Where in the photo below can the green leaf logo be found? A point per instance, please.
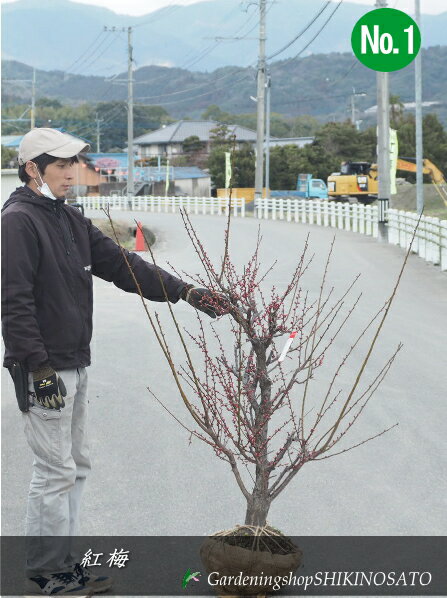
(188, 576)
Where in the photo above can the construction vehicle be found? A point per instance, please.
(306, 187)
(355, 179)
(360, 179)
(436, 176)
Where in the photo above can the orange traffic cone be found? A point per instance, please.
(139, 238)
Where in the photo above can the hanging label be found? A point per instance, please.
(287, 346)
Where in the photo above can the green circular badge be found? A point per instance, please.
(386, 39)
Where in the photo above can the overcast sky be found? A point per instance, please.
(142, 7)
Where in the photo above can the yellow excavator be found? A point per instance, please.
(359, 179)
(436, 176)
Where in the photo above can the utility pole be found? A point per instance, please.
(130, 160)
(267, 139)
(353, 109)
(383, 143)
(418, 117)
(130, 157)
(353, 106)
(33, 100)
(261, 103)
(98, 122)
(33, 97)
(354, 95)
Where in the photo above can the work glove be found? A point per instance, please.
(211, 303)
(49, 388)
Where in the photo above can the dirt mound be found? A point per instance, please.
(405, 199)
(124, 231)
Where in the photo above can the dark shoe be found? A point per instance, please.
(55, 584)
(94, 583)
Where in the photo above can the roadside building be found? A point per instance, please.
(10, 182)
(11, 141)
(169, 141)
(149, 180)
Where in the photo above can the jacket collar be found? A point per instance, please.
(30, 193)
(27, 195)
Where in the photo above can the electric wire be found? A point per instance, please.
(85, 52)
(112, 41)
(302, 32)
(112, 114)
(102, 53)
(283, 63)
(204, 52)
(214, 89)
(92, 55)
(217, 43)
(202, 85)
(209, 49)
(121, 65)
(164, 13)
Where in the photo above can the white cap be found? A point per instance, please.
(49, 141)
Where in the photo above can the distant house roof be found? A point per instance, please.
(112, 160)
(177, 132)
(189, 172)
(12, 141)
(406, 105)
(118, 162)
(299, 141)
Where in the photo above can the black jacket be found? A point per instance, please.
(49, 253)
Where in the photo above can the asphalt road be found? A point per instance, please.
(147, 478)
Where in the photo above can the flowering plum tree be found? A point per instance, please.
(255, 406)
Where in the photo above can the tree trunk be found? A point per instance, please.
(258, 504)
(257, 509)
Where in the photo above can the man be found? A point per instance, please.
(49, 254)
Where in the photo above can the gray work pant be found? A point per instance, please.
(59, 441)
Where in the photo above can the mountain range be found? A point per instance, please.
(320, 85)
(70, 37)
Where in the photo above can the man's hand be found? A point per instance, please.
(211, 303)
(49, 388)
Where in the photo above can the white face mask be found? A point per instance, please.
(43, 187)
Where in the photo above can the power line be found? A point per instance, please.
(204, 52)
(198, 96)
(246, 76)
(309, 99)
(210, 48)
(112, 41)
(111, 115)
(91, 55)
(85, 52)
(302, 32)
(201, 55)
(109, 68)
(197, 55)
(164, 13)
(207, 50)
(201, 86)
(314, 37)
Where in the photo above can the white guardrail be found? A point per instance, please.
(430, 241)
(354, 217)
(150, 203)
